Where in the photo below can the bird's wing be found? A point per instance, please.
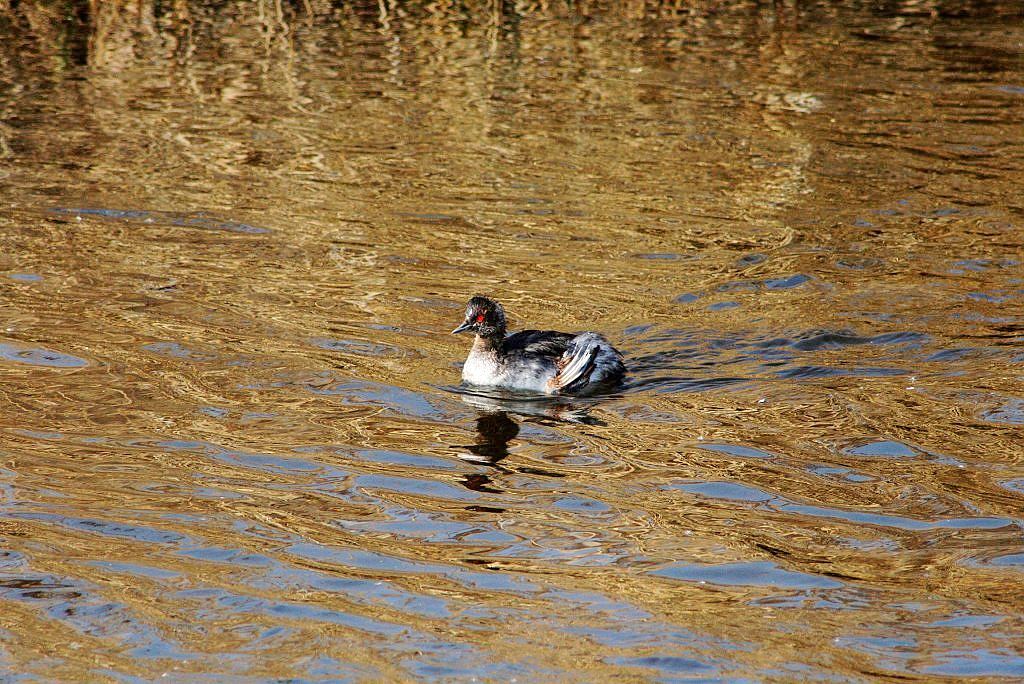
(576, 364)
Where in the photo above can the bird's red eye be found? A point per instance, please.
(479, 318)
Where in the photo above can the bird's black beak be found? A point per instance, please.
(463, 328)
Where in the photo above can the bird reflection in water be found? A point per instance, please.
(495, 430)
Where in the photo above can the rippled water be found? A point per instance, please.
(234, 442)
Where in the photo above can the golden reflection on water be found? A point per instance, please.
(235, 239)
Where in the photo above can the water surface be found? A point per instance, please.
(235, 240)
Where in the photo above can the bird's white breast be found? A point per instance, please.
(481, 368)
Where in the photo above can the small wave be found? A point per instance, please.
(37, 356)
(200, 220)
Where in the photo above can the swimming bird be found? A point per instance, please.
(538, 360)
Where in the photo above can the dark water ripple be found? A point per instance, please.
(198, 220)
